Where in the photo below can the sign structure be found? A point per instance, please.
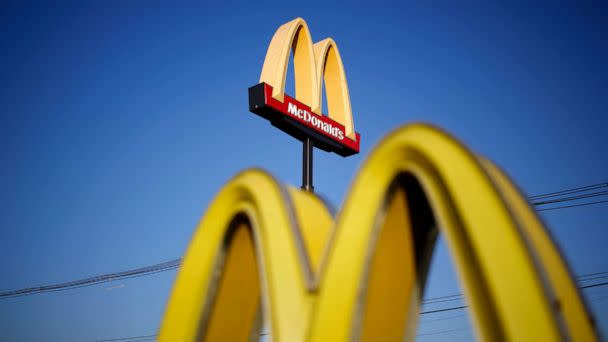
(302, 117)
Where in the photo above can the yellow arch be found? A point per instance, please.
(288, 229)
(501, 273)
(312, 65)
(331, 69)
(418, 181)
(294, 34)
(565, 292)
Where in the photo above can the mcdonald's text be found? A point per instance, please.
(297, 120)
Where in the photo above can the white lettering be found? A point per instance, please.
(306, 116)
(315, 121)
(292, 109)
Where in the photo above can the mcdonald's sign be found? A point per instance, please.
(302, 117)
(275, 256)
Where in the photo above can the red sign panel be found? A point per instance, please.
(296, 119)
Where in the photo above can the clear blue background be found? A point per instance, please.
(120, 121)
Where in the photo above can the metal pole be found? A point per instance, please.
(307, 165)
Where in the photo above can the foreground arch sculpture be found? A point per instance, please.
(274, 255)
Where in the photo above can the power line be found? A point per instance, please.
(595, 278)
(568, 195)
(136, 338)
(572, 206)
(138, 272)
(460, 296)
(433, 301)
(466, 306)
(174, 264)
(570, 191)
(130, 339)
(443, 298)
(441, 319)
(572, 198)
(444, 309)
(594, 285)
(441, 332)
(145, 338)
(591, 275)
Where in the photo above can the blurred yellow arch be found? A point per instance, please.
(312, 65)
(266, 253)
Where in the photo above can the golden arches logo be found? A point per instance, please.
(274, 256)
(313, 65)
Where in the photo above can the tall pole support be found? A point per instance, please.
(307, 165)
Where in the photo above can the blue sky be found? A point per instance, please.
(120, 123)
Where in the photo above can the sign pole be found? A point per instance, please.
(307, 147)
